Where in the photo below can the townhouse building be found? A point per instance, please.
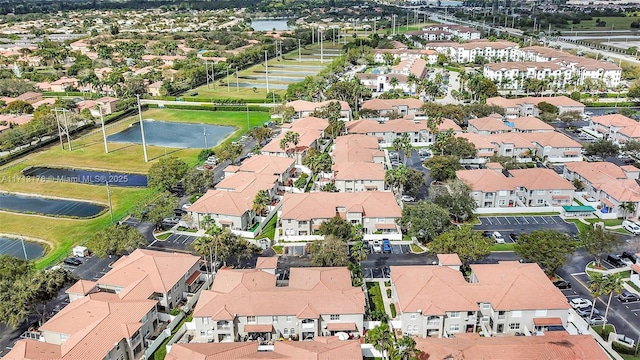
(615, 127)
(417, 129)
(358, 164)
(246, 305)
(264, 165)
(311, 135)
(554, 147)
(393, 107)
(610, 187)
(491, 51)
(484, 148)
(305, 108)
(512, 145)
(322, 347)
(117, 316)
(492, 124)
(527, 106)
(497, 187)
(376, 211)
(437, 301)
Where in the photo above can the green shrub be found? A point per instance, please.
(392, 307)
(622, 349)
(389, 293)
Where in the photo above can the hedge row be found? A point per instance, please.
(71, 93)
(212, 107)
(610, 105)
(214, 100)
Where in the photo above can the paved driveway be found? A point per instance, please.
(524, 224)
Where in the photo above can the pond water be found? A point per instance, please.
(13, 247)
(86, 176)
(47, 206)
(269, 25)
(174, 135)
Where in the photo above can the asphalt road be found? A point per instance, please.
(524, 224)
(414, 162)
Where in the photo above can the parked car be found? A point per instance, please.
(407, 198)
(561, 284)
(586, 311)
(377, 247)
(631, 227)
(498, 237)
(630, 255)
(487, 234)
(578, 303)
(627, 296)
(72, 262)
(596, 320)
(386, 246)
(615, 260)
(514, 237)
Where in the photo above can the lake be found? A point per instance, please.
(47, 206)
(269, 25)
(86, 176)
(13, 247)
(174, 135)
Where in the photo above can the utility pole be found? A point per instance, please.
(109, 197)
(66, 126)
(228, 79)
(266, 70)
(104, 133)
(144, 143)
(63, 126)
(299, 52)
(237, 85)
(24, 249)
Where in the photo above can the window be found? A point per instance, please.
(486, 306)
(274, 319)
(501, 202)
(251, 319)
(454, 327)
(540, 201)
(516, 313)
(205, 321)
(293, 331)
(335, 317)
(514, 326)
(285, 331)
(289, 317)
(454, 314)
(540, 192)
(415, 328)
(202, 333)
(413, 316)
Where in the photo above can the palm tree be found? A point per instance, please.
(613, 285)
(597, 288)
(381, 338)
(627, 207)
(261, 201)
(405, 349)
(393, 82)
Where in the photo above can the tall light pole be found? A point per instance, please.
(237, 85)
(109, 197)
(299, 52)
(144, 143)
(321, 48)
(266, 70)
(24, 249)
(228, 78)
(104, 132)
(394, 25)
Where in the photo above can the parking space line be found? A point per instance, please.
(488, 220)
(497, 220)
(532, 219)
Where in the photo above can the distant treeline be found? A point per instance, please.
(22, 7)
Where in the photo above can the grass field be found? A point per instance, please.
(618, 23)
(89, 153)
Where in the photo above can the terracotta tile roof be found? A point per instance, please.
(359, 171)
(82, 287)
(247, 181)
(310, 129)
(158, 271)
(553, 345)
(364, 126)
(64, 80)
(516, 139)
(489, 180)
(29, 95)
(555, 100)
(617, 120)
(507, 285)
(264, 164)
(480, 141)
(28, 349)
(530, 123)
(254, 293)
(540, 179)
(390, 104)
(264, 262)
(303, 105)
(321, 348)
(449, 260)
(224, 202)
(322, 205)
(489, 124)
(553, 139)
(597, 173)
(448, 124)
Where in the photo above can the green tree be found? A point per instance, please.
(116, 240)
(579, 185)
(359, 251)
(613, 285)
(443, 167)
(317, 161)
(290, 137)
(396, 178)
(448, 144)
(548, 248)
(403, 143)
(424, 220)
(414, 180)
(634, 91)
(570, 117)
(627, 207)
(330, 187)
(597, 287)
(197, 181)
(19, 107)
(405, 349)
(261, 201)
(468, 244)
(633, 147)
(208, 245)
(548, 108)
(166, 173)
(457, 200)
(161, 208)
(382, 339)
(603, 148)
(332, 251)
(337, 227)
(228, 151)
(260, 134)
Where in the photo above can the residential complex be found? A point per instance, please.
(527, 106)
(615, 127)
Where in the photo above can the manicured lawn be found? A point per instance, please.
(269, 230)
(415, 248)
(375, 296)
(618, 23)
(278, 249)
(164, 236)
(579, 224)
(502, 247)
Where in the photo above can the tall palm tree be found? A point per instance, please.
(381, 338)
(627, 207)
(260, 202)
(613, 285)
(405, 349)
(597, 287)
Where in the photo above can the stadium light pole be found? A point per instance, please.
(104, 132)
(266, 70)
(144, 143)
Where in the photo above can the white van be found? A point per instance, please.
(631, 227)
(498, 237)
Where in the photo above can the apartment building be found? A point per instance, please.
(527, 106)
(417, 129)
(397, 107)
(358, 164)
(310, 131)
(446, 32)
(437, 301)
(246, 305)
(376, 211)
(406, 54)
(322, 347)
(511, 75)
(305, 108)
(615, 127)
(264, 165)
(473, 346)
(496, 187)
(116, 316)
(484, 148)
(492, 124)
(555, 147)
(492, 51)
(608, 185)
(381, 79)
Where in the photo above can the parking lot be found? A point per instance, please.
(396, 249)
(523, 224)
(383, 272)
(175, 241)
